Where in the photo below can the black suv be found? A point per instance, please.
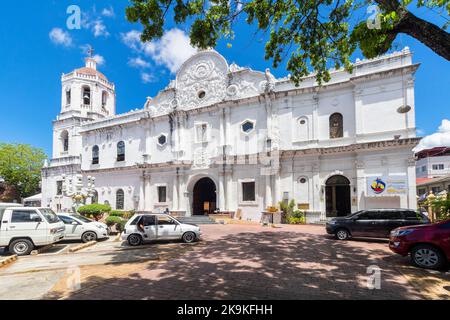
(373, 223)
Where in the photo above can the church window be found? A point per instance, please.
(201, 94)
(162, 140)
(247, 126)
(202, 132)
(65, 140)
(104, 98)
(68, 96)
(120, 199)
(248, 191)
(336, 126)
(95, 155)
(162, 194)
(302, 129)
(87, 96)
(121, 151)
(59, 188)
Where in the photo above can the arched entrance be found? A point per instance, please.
(204, 197)
(337, 195)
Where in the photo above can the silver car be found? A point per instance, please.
(157, 226)
(81, 228)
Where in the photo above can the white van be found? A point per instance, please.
(23, 228)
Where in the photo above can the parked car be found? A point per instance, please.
(22, 229)
(373, 223)
(427, 245)
(158, 226)
(81, 228)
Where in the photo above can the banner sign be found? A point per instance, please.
(386, 185)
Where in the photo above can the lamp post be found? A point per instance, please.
(74, 188)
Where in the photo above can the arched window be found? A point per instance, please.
(94, 198)
(68, 96)
(65, 140)
(104, 98)
(336, 126)
(87, 95)
(121, 151)
(120, 198)
(95, 154)
(302, 129)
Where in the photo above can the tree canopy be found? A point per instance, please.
(313, 35)
(20, 167)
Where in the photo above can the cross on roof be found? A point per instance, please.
(90, 51)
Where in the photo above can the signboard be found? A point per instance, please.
(303, 206)
(386, 185)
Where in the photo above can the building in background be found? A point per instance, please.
(224, 137)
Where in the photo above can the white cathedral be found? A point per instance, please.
(223, 138)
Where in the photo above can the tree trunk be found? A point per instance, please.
(429, 34)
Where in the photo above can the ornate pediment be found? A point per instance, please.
(202, 80)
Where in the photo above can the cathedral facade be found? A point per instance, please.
(223, 138)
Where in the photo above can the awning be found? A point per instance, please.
(36, 197)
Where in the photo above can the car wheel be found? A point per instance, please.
(189, 237)
(134, 240)
(21, 247)
(342, 234)
(89, 236)
(426, 256)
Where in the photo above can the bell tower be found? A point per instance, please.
(86, 95)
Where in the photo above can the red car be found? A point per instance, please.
(428, 245)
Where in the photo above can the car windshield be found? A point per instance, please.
(49, 215)
(81, 218)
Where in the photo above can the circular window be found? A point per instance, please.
(248, 126)
(303, 180)
(303, 121)
(201, 94)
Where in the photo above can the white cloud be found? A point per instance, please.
(99, 29)
(138, 62)
(170, 51)
(108, 12)
(99, 59)
(147, 77)
(441, 138)
(60, 37)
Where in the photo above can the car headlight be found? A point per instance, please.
(332, 222)
(399, 233)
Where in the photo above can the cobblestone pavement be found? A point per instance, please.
(253, 262)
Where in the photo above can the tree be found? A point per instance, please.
(314, 34)
(20, 167)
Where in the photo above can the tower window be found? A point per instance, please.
(68, 96)
(336, 126)
(104, 98)
(86, 96)
(121, 151)
(162, 140)
(65, 141)
(95, 155)
(248, 191)
(247, 126)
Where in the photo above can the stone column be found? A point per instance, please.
(360, 185)
(148, 194)
(221, 192)
(315, 117)
(141, 205)
(268, 195)
(411, 183)
(228, 188)
(175, 192)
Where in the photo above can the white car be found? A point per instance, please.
(82, 228)
(24, 228)
(157, 226)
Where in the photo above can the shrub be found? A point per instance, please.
(116, 221)
(297, 217)
(117, 213)
(94, 211)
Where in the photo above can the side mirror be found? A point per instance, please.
(37, 219)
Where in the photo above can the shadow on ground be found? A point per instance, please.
(260, 265)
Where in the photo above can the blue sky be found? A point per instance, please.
(36, 47)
